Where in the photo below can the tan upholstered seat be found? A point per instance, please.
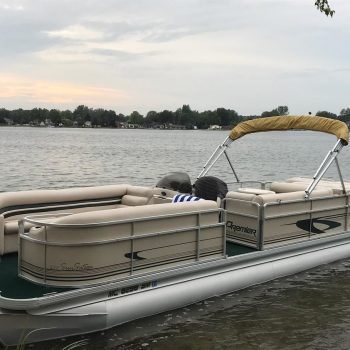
(16, 205)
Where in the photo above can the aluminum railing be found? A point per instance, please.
(42, 221)
(262, 217)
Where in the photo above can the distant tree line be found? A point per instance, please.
(183, 117)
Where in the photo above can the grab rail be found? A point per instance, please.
(263, 216)
(132, 237)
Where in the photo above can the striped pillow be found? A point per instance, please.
(184, 198)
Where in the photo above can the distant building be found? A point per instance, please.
(8, 121)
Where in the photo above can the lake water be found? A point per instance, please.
(306, 311)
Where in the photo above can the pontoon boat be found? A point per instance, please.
(80, 260)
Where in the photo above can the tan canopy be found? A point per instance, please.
(327, 125)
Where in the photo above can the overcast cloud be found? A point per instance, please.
(247, 55)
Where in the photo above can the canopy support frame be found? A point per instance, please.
(326, 163)
(215, 156)
(231, 165)
(340, 176)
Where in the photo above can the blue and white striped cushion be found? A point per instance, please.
(184, 198)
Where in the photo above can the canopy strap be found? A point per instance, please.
(330, 157)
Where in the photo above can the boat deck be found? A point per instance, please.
(14, 287)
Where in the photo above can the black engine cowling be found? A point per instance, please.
(176, 181)
(210, 187)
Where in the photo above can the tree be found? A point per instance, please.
(280, 110)
(324, 7)
(345, 115)
(38, 115)
(110, 118)
(67, 118)
(4, 113)
(345, 111)
(151, 118)
(81, 114)
(224, 116)
(186, 109)
(326, 114)
(136, 118)
(120, 117)
(166, 117)
(55, 117)
(17, 116)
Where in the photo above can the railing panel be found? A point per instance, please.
(197, 236)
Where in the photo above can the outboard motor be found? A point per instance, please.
(176, 181)
(210, 187)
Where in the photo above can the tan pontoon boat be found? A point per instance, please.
(79, 260)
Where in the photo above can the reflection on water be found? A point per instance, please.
(306, 311)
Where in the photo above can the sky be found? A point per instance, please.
(126, 55)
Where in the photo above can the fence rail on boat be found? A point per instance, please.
(267, 225)
(193, 236)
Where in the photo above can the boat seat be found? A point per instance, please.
(16, 205)
(255, 191)
(286, 187)
(290, 196)
(277, 197)
(301, 184)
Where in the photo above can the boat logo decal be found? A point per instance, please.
(76, 267)
(236, 228)
(134, 256)
(309, 225)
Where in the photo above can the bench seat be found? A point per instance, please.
(16, 205)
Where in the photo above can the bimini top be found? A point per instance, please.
(327, 125)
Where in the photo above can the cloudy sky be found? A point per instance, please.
(247, 55)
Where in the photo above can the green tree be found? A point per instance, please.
(166, 117)
(345, 115)
(110, 118)
(279, 111)
(282, 110)
(186, 109)
(55, 117)
(224, 116)
(4, 113)
(326, 114)
(96, 116)
(234, 118)
(38, 115)
(345, 111)
(213, 118)
(324, 7)
(152, 118)
(120, 117)
(81, 114)
(67, 118)
(17, 115)
(136, 118)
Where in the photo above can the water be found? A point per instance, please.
(305, 311)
